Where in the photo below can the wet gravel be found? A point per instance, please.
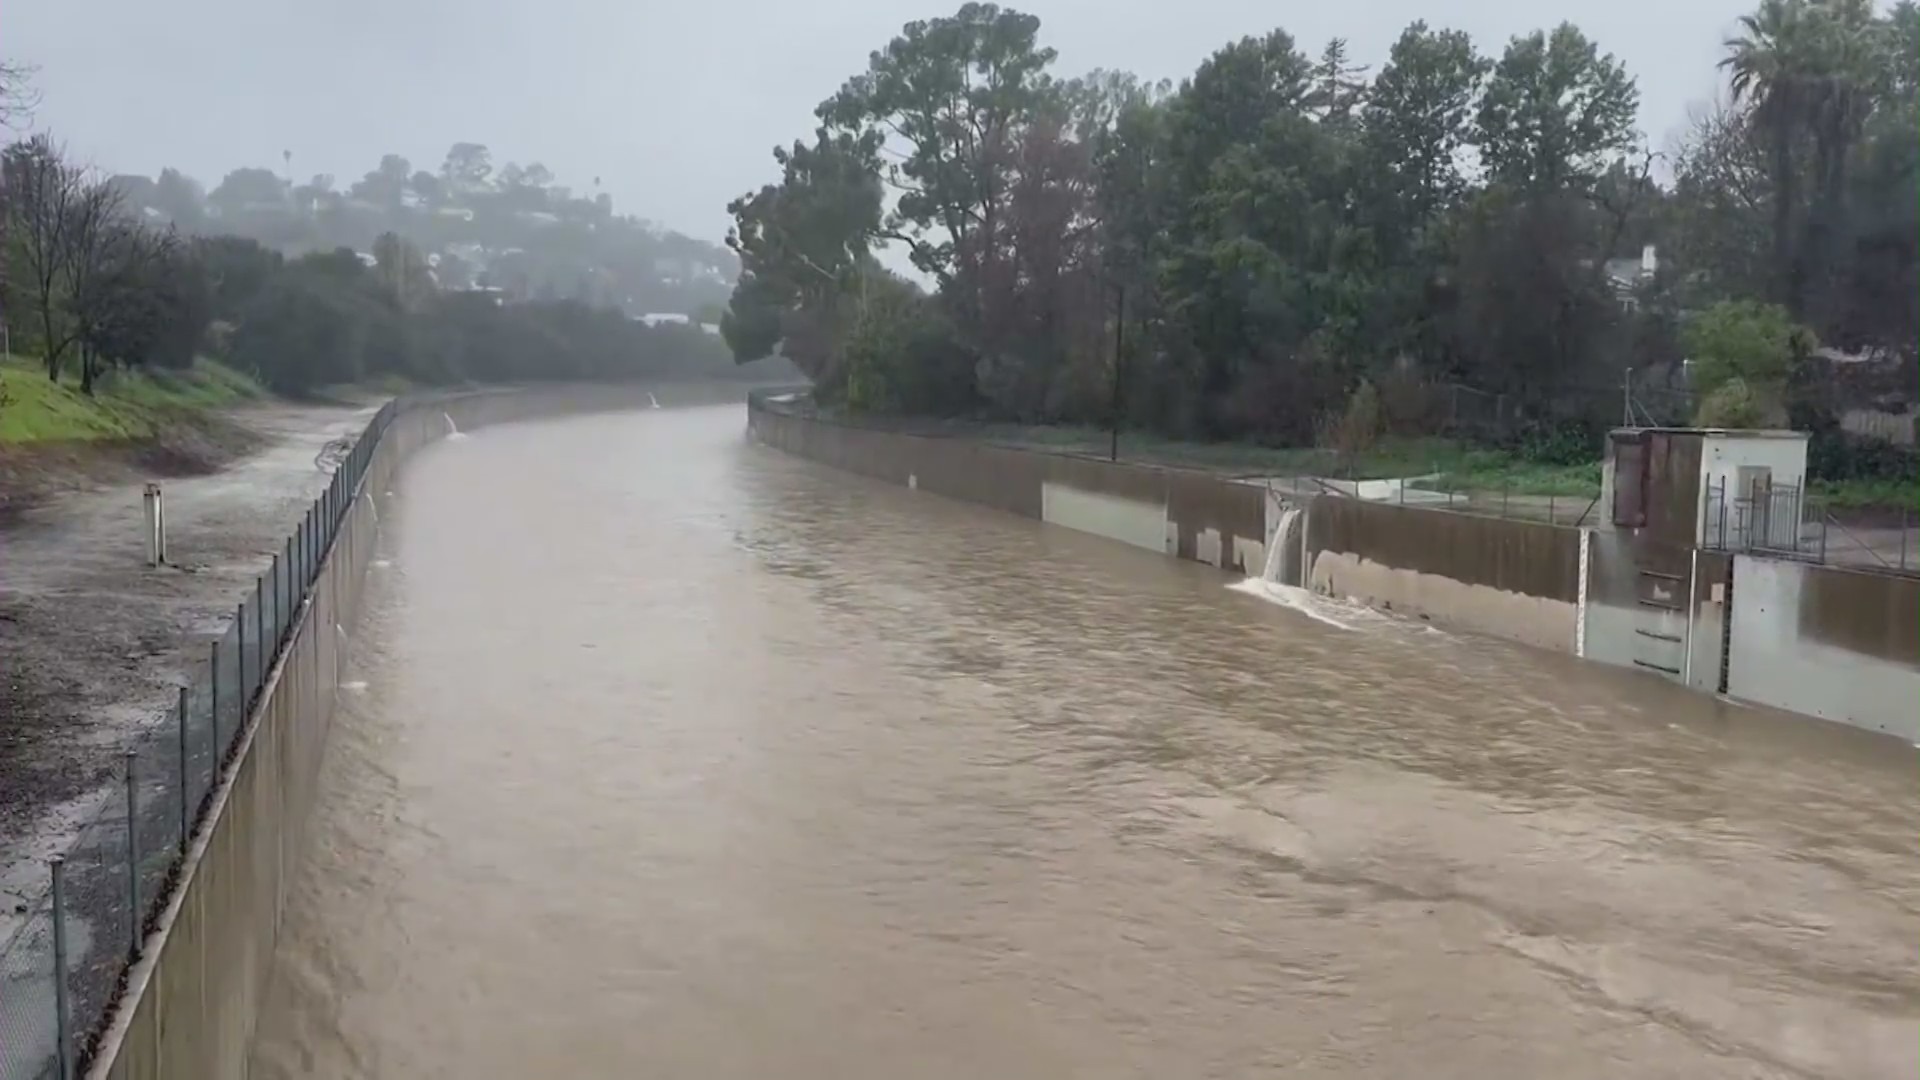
(94, 643)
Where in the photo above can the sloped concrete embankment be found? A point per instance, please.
(191, 1002)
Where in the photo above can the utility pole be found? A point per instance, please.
(1119, 360)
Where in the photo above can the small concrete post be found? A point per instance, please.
(183, 770)
(156, 522)
(133, 859)
(62, 1009)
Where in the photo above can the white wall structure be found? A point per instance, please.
(1777, 656)
(1729, 463)
(1130, 521)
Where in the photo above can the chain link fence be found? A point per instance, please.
(62, 969)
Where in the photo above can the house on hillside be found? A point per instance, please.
(1629, 276)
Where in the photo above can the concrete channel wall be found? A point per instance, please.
(1829, 642)
(1194, 515)
(1513, 579)
(1833, 642)
(191, 1002)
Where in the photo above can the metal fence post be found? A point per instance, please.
(240, 666)
(259, 636)
(213, 713)
(183, 770)
(286, 612)
(62, 1010)
(1506, 490)
(133, 858)
(1903, 538)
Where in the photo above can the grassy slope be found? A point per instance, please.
(1458, 465)
(128, 405)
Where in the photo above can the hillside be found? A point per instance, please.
(516, 230)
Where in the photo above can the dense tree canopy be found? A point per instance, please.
(1237, 256)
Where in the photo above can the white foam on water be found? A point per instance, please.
(1289, 596)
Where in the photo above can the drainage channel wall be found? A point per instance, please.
(191, 1002)
(1514, 579)
(1836, 643)
(1193, 515)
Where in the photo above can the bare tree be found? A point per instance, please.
(107, 274)
(86, 260)
(133, 298)
(43, 193)
(18, 98)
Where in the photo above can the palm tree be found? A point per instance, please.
(1849, 51)
(1806, 68)
(1769, 66)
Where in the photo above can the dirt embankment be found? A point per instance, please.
(33, 473)
(93, 642)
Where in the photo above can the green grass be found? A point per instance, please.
(126, 404)
(1456, 466)
(1868, 494)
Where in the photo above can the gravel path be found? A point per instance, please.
(93, 643)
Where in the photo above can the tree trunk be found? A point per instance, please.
(46, 330)
(87, 364)
(1786, 262)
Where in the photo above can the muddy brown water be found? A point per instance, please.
(681, 758)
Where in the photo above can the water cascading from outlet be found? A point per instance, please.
(1278, 545)
(1272, 586)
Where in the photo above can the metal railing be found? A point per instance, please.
(61, 970)
(1784, 521)
(1764, 518)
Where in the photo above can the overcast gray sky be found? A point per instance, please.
(674, 106)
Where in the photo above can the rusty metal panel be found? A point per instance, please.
(1528, 557)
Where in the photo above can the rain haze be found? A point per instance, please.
(1245, 586)
(673, 107)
